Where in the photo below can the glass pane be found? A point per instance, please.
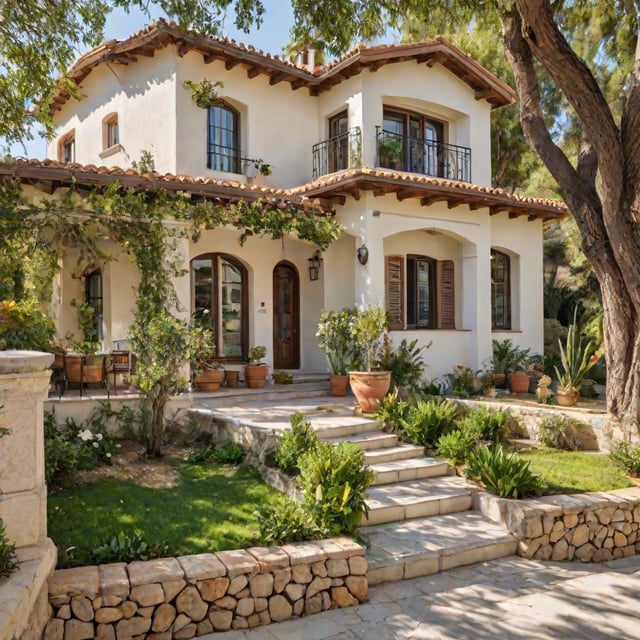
(230, 341)
(423, 292)
(203, 293)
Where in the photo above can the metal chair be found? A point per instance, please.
(120, 363)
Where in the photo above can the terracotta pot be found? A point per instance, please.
(338, 385)
(209, 379)
(567, 396)
(232, 379)
(369, 388)
(519, 382)
(92, 370)
(498, 379)
(255, 375)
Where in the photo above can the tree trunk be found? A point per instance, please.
(155, 427)
(605, 214)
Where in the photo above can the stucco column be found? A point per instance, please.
(24, 384)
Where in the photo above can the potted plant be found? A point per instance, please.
(336, 340)
(576, 359)
(282, 377)
(255, 373)
(369, 386)
(85, 365)
(506, 359)
(390, 150)
(208, 374)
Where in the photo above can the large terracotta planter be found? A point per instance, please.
(369, 388)
(567, 396)
(209, 379)
(338, 385)
(255, 375)
(519, 382)
(93, 370)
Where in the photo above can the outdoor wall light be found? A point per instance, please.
(363, 254)
(314, 266)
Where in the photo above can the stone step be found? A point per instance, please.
(337, 426)
(409, 469)
(226, 397)
(391, 454)
(369, 440)
(417, 499)
(423, 546)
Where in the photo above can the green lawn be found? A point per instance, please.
(575, 471)
(210, 509)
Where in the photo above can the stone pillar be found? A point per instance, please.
(24, 383)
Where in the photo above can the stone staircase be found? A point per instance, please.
(420, 519)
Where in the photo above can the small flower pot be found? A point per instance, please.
(232, 378)
(255, 375)
(338, 385)
(567, 396)
(519, 382)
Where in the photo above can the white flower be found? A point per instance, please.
(98, 437)
(85, 435)
(95, 445)
(108, 455)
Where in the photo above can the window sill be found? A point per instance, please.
(506, 330)
(110, 151)
(429, 329)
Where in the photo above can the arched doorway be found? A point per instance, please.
(286, 317)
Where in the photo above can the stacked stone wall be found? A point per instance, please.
(189, 596)
(590, 527)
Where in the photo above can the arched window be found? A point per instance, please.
(223, 139)
(67, 147)
(219, 302)
(500, 291)
(93, 296)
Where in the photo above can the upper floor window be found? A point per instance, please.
(93, 296)
(419, 292)
(223, 139)
(413, 142)
(67, 148)
(500, 291)
(338, 151)
(219, 295)
(110, 131)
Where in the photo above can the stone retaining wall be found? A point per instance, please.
(189, 596)
(591, 527)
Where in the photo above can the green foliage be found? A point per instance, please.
(392, 411)
(257, 353)
(333, 479)
(204, 93)
(367, 329)
(508, 357)
(427, 420)
(404, 362)
(566, 433)
(463, 381)
(457, 445)
(285, 522)
(126, 547)
(87, 325)
(24, 326)
(229, 453)
(146, 164)
(628, 456)
(282, 377)
(491, 425)
(293, 443)
(502, 473)
(576, 358)
(335, 338)
(8, 559)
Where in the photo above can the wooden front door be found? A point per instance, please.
(286, 317)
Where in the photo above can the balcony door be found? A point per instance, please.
(286, 317)
(338, 142)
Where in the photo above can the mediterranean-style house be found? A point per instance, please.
(394, 140)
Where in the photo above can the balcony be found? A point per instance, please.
(427, 157)
(341, 152)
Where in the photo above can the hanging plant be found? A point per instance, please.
(203, 93)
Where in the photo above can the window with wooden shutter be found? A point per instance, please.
(446, 295)
(394, 291)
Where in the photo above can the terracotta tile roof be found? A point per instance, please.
(322, 194)
(162, 34)
(336, 187)
(49, 175)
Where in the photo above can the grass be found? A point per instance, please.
(575, 471)
(210, 509)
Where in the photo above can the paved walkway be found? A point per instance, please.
(506, 599)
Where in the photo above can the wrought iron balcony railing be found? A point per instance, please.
(428, 157)
(338, 153)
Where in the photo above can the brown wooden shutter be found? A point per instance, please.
(394, 291)
(446, 295)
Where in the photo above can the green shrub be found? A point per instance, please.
(8, 559)
(333, 479)
(491, 425)
(568, 434)
(229, 453)
(60, 456)
(428, 420)
(286, 522)
(456, 446)
(24, 326)
(502, 473)
(293, 443)
(201, 455)
(391, 412)
(127, 547)
(405, 363)
(628, 457)
(463, 382)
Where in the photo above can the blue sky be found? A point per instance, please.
(272, 36)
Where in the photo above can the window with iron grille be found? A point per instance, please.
(223, 148)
